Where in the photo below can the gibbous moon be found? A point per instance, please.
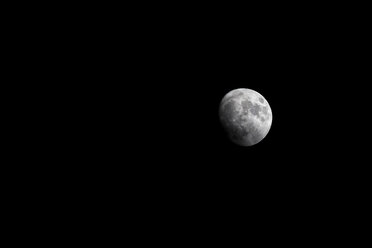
(246, 116)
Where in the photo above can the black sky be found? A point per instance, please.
(158, 95)
(144, 123)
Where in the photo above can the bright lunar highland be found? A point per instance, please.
(246, 116)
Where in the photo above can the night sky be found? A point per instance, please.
(163, 103)
(142, 123)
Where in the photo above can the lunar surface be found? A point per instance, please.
(246, 116)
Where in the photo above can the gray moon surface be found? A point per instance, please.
(245, 116)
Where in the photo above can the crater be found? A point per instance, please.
(237, 94)
(238, 132)
(265, 110)
(246, 105)
(256, 109)
(229, 110)
(229, 114)
(261, 100)
(234, 95)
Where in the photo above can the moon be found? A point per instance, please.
(245, 116)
